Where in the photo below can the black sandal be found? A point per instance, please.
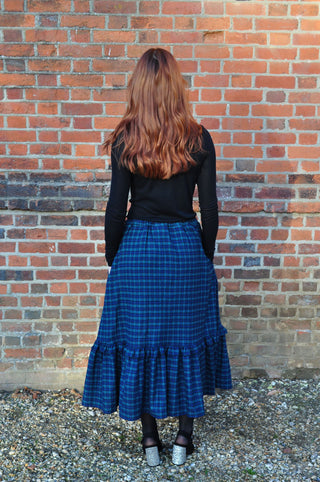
(180, 451)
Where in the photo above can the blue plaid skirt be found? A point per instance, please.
(160, 345)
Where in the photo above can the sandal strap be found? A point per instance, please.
(185, 434)
(189, 447)
(155, 438)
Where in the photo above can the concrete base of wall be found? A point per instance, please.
(43, 380)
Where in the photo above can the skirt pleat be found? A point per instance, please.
(160, 345)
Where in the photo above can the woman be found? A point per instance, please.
(160, 345)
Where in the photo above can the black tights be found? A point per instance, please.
(149, 425)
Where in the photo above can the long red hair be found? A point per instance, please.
(158, 130)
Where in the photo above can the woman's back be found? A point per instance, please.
(164, 200)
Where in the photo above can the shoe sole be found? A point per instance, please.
(179, 454)
(152, 454)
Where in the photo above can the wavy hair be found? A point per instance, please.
(158, 130)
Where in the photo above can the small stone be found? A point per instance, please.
(287, 450)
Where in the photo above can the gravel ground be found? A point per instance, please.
(262, 430)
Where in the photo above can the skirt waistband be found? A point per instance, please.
(146, 222)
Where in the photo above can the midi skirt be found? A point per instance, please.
(160, 345)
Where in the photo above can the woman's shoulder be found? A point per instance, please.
(206, 137)
(118, 143)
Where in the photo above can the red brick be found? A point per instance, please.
(22, 353)
(114, 51)
(83, 164)
(242, 138)
(243, 53)
(76, 248)
(242, 206)
(207, 110)
(245, 8)
(83, 21)
(48, 5)
(242, 124)
(276, 24)
(78, 51)
(209, 66)
(280, 38)
(275, 138)
(50, 65)
(276, 152)
(16, 122)
(298, 235)
(245, 67)
(213, 37)
(308, 139)
(81, 36)
(210, 95)
(81, 109)
(241, 38)
(303, 152)
(213, 7)
(259, 234)
(17, 79)
(82, 80)
(278, 9)
(113, 65)
(150, 7)
(14, 5)
(151, 22)
(114, 6)
(47, 94)
(43, 247)
(118, 22)
(275, 82)
(184, 23)
(182, 51)
(212, 81)
(309, 53)
(12, 94)
(241, 95)
(12, 36)
(309, 24)
(276, 53)
(50, 35)
(180, 37)
(213, 23)
(305, 9)
(306, 68)
(242, 23)
(304, 207)
(306, 39)
(53, 352)
(114, 37)
(181, 8)
(278, 166)
(280, 68)
(16, 20)
(147, 37)
(81, 5)
(211, 52)
(305, 124)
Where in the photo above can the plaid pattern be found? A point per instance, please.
(160, 345)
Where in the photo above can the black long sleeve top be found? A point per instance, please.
(163, 200)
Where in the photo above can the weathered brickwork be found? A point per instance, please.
(253, 69)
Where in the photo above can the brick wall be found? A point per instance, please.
(253, 69)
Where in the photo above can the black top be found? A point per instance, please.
(163, 200)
